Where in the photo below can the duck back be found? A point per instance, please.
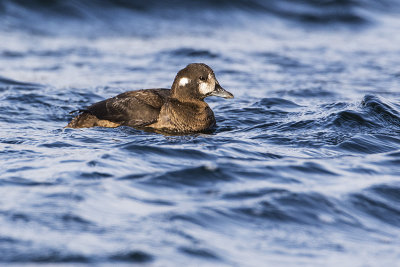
(134, 108)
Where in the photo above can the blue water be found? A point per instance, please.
(302, 170)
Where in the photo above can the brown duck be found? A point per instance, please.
(180, 109)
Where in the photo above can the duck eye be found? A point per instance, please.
(202, 78)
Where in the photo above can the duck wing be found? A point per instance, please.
(133, 108)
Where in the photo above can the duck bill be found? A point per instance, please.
(221, 92)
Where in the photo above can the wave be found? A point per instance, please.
(16, 84)
(377, 202)
(301, 6)
(116, 15)
(370, 127)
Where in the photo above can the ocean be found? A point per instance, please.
(303, 168)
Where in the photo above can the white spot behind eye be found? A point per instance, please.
(183, 81)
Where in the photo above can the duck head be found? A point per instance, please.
(196, 82)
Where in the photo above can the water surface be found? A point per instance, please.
(303, 168)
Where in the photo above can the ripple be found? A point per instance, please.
(199, 252)
(350, 118)
(57, 144)
(367, 144)
(167, 151)
(242, 195)
(389, 192)
(95, 175)
(313, 168)
(275, 102)
(191, 176)
(385, 112)
(19, 181)
(299, 208)
(377, 209)
(5, 81)
(50, 257)
(190, 52)
(135, 256)
(281, 60)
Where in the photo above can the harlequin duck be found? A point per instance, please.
(180, 109)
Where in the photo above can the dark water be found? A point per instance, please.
(303, 169)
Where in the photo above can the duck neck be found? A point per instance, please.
(187, 116)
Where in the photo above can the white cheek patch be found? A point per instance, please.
(206, 88)
(183, 81)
